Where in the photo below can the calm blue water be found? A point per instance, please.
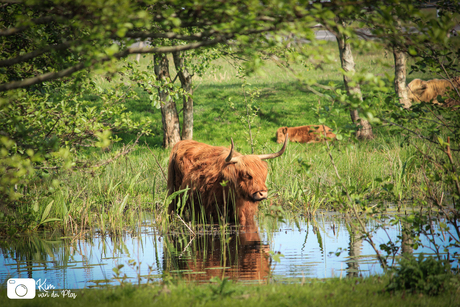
(321, 248)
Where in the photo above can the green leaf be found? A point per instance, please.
(50, 220)
(112, 50)
(169, 199)
(46, 212)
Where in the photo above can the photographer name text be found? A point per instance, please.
(49, 290)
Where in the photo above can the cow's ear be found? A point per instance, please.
(284, 130)
(420, 88)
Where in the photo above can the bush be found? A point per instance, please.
(425, 275)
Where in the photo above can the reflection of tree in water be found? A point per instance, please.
(32, 251)
(239, 255)
(354, 251)
(406, 238)
(356, 244)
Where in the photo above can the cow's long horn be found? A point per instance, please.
(277, 154)
(229, 158)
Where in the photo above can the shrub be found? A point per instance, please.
(425, 275)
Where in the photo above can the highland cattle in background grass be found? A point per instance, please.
(305, 134)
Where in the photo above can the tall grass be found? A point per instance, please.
(114, 196)
(301, 181)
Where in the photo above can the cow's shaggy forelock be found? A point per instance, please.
(251, 173)
(203, 169)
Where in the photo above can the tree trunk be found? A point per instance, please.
(169, 117)
(186, 81)
(348, 65)
(400, 77)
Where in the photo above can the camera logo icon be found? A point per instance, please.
(21, 288)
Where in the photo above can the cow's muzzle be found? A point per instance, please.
(260, 195)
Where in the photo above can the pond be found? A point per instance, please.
(320, 247)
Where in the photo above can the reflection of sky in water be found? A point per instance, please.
(308, 252)
(91, 259)
(309, 255)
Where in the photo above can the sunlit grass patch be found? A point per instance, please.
(331, 292)
(113, 195)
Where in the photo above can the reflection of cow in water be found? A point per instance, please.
(238, 256)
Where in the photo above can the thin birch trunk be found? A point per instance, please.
(186, 81)
(348, 65)
(400, 77)
(169, 117)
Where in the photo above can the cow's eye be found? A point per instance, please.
(249, 177)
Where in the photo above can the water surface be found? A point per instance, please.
(322, 247)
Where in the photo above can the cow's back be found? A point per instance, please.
(180, 162)
(419, 90)
(188, 162)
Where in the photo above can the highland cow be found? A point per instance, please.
(222, 183)
(305, 134)
(419, 90)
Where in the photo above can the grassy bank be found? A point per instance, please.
(332, 292)
(301, 181)
(114, 196)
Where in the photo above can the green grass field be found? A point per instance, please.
(112, 197)
(284, 100)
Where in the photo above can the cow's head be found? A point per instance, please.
(248, 173)
(416, 90)
(281, 134)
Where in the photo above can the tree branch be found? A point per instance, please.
(169, 35)
(33, 54)
(413, 132)
(68, 71)
(165, 49)
(86, 164)
(37, 21)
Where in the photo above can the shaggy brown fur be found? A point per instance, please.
(419, 90)
(304, 134)
(246, 257)
(203, 169)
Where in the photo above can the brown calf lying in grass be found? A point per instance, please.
(305, 134)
